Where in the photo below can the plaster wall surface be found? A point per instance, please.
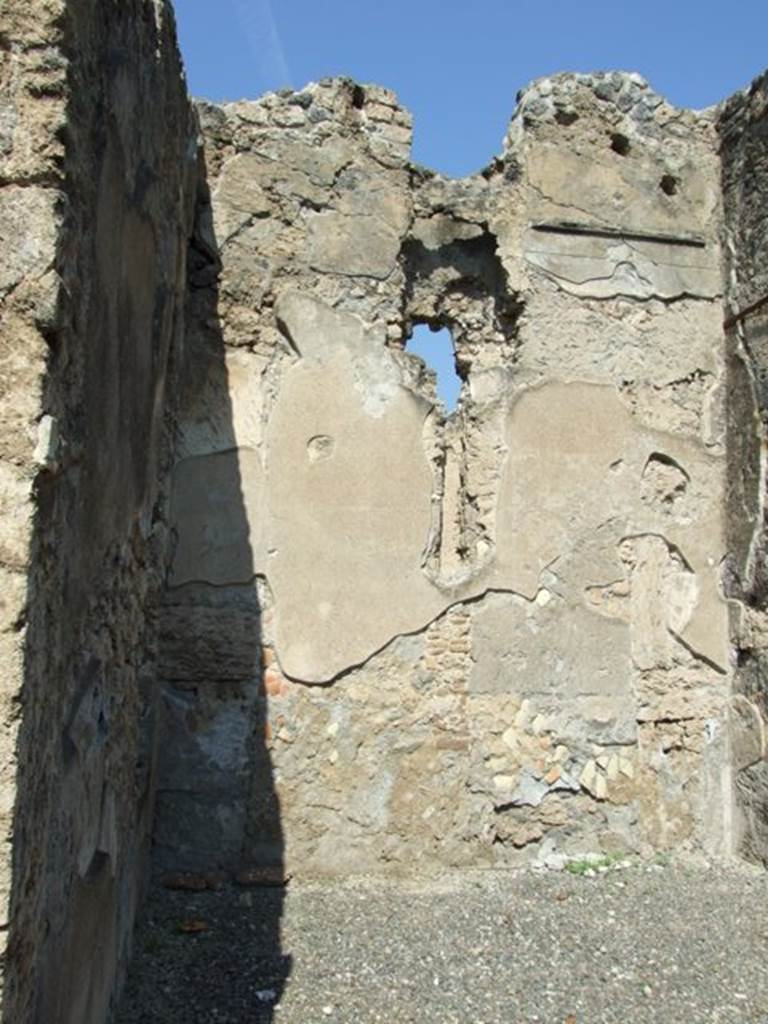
(483, 637)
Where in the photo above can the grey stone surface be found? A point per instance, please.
(640, 944)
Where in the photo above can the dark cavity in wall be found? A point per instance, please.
(460, 284)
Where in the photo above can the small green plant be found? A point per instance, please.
(579, 867)
(591, 865)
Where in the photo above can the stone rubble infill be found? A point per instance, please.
(597, 944)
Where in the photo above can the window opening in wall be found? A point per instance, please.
(435, 347)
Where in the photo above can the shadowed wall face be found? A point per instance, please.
(743, 129)
(97, 157)
(489, 635)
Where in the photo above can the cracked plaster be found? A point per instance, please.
(551, 554)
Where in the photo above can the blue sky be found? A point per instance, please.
(457, 64)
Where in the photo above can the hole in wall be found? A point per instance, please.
(664, 482)
(319, 448)
(435, 347)
(565, 116)
(743, 657)
(358, 97)
(668, 184)
(620, 144)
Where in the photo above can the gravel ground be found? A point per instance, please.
(641, 944)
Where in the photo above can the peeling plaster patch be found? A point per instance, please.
(352, 528)
(362, 485)
(602, 268)
(664, 594)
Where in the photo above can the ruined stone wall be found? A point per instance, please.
(387, 639)
(743, 128)
(98, 170)
(393, 639)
